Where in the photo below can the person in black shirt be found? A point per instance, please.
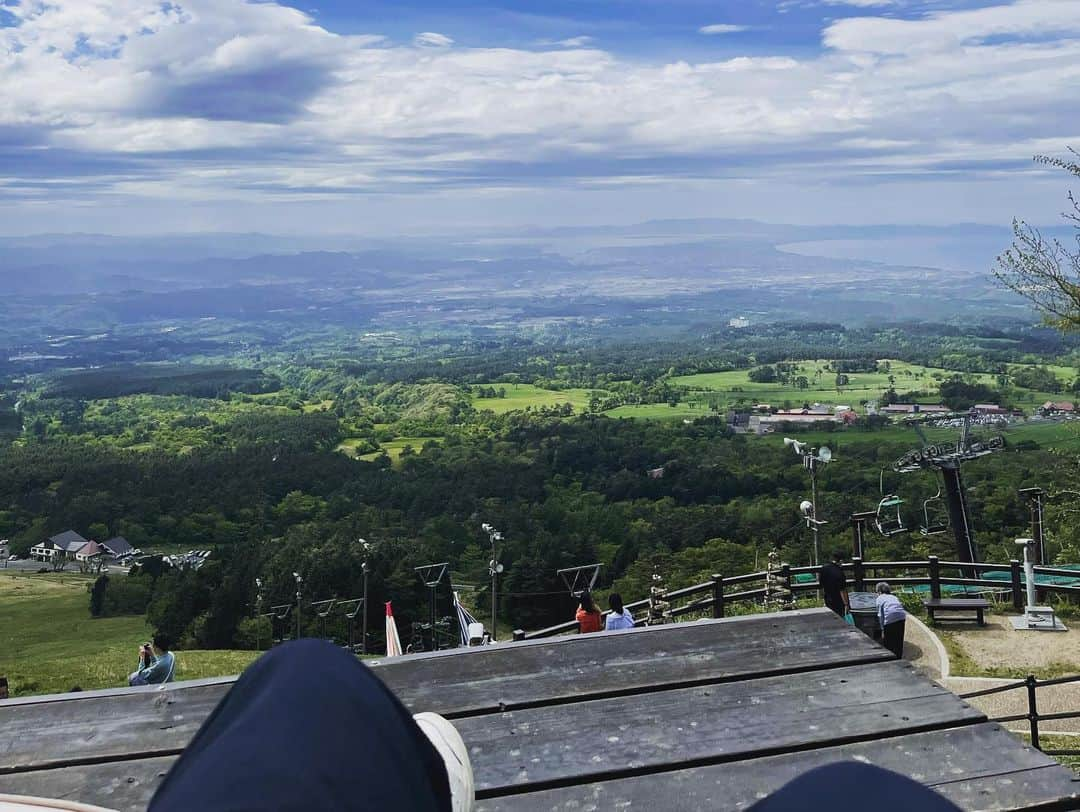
(834, 585)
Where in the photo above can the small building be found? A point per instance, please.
(894, 409)
(764, 424)
(989, 409)
(117, 547)
(89, 552)
(1056, 408)
(739, 323)
(66, 544)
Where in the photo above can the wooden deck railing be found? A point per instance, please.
(715, 594)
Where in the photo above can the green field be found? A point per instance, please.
(520, 396)
(661, 411)
(392, 448)
(862, 386)
(49, 643)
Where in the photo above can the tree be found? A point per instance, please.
(97, 595)
(762, 374)
(1045, 271)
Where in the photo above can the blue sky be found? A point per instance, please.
(416, 115)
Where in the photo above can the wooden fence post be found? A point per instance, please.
(935, 577)
(1017, 587)
(859, 574)
(718, 596)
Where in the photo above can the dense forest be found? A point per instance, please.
(289, 477)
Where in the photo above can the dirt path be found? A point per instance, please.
(997, 644)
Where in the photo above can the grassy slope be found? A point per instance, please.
(522, 395)
(661, 411)
(49, 642)
(391, 447)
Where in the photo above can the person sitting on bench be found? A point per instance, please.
(156, 663)
(618, 617)
(588, 616)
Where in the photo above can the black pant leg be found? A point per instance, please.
(306, 727)
(834, 787)
(894, 637)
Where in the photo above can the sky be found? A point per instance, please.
(426, 116)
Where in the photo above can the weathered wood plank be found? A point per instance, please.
(979, 767)
(509, 676)
(152, 722)
(608, 738)
(155, 721)
(126, 786)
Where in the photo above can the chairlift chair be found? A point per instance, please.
(935, 516)
(886, 523)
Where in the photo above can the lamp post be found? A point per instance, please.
(299, 582)
(258, 614)
(494, 568)
(811, 457)
(366, 547)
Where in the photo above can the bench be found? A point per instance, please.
(976, 605)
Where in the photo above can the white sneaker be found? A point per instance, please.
(26, 803)
(444, 736)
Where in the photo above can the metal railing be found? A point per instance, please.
(714, 595)
(1030, 683)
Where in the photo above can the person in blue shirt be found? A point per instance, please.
(156, 663)
(618, 617)
(892, 617)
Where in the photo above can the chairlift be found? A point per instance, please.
(579, 579)
(886, 523)
(935, 515)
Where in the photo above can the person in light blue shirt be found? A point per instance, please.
(156, 663)
(618, 617)
(892, 617)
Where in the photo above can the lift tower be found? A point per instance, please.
(946, 458)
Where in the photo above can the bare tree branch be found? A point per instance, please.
(1047, 272)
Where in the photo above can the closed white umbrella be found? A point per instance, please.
(393, 642)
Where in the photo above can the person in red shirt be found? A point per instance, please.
(588, 616)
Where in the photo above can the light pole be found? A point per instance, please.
(494, 568)
(299, 582)
(811, 458)
(258, 614)
(366, 547)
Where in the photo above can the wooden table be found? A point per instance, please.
(696, 715)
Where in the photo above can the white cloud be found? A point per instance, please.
(432, 39)
(721, 28)
(860, 3)
(954, 29)
(229, 98)
(570, 42)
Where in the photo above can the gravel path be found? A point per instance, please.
(998, 644)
